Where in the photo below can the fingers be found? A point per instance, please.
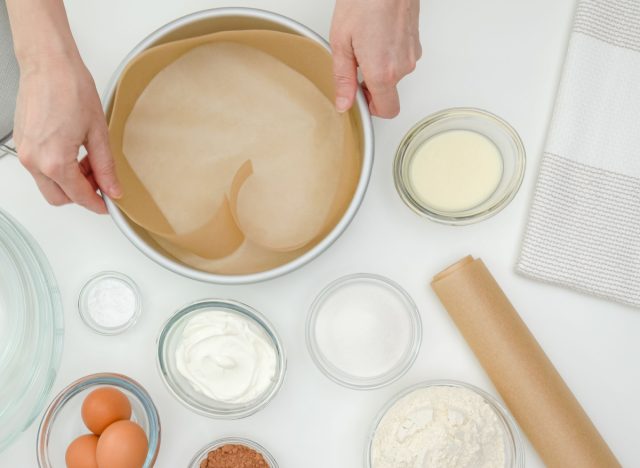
(85, 168)
(383, 98)
(381, 78)
(51, 191)
(366, 92)
(345, 75)
(101, 162)
(62, 182)
(78, 188)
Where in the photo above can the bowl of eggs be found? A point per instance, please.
(101, 420)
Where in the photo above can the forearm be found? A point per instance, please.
(40, 31)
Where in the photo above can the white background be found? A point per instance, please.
(501, 55)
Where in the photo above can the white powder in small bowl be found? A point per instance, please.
(440, 426)
(109, 303)
(365, 330)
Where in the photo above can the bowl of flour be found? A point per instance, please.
(444, 424)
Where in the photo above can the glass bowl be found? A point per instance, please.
(31, 329)
(514, 449)
(503, 136)
(62, 421)
(202, 454)
(413, 332)
(179, 386)
(83, 303)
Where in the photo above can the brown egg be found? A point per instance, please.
(81, 453)
(122, 445)
(103, 407)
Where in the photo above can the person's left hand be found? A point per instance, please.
(382, 38)
(58, 111)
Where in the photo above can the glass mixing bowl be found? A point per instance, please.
(202, 454)
(169, 340)
(62, 422)
(31, 329)
(514, 449)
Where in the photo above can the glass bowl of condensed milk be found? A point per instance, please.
(459, 166)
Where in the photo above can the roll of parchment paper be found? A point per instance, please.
(532, 388)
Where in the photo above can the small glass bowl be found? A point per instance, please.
(180, 388)
(492, 127)
(83, 306)
(62, 421)
(350, 380)
(514, 449)
(202, 454)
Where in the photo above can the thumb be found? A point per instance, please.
(102, 164)
(345, 76)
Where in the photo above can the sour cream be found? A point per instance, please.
(226, 357)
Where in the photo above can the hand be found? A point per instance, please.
(382, 38)
(59, 111)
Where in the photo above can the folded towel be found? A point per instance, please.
(584, 225)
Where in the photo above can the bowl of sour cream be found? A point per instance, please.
(221, 358)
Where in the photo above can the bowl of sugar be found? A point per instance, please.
(459, 166)
(363, 331)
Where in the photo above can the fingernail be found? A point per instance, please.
(115, 191)
(342, 104)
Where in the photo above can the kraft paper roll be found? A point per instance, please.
(532, 388)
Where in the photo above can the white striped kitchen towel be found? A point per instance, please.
(584, 225)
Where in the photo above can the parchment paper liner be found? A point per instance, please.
(301, 54)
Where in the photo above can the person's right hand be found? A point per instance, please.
(382, 38)
(59, 111)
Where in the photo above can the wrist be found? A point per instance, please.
(47, 60)
(43, 48)
(41, 31)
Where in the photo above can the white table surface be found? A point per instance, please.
(501, 55)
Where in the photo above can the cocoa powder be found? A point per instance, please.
(234, 456)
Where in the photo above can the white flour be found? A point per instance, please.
(111, 302)
(439, 427)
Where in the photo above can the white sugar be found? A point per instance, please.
(363, 329)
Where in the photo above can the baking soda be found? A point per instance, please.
(111, 303)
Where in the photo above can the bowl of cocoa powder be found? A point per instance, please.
(233, 452)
